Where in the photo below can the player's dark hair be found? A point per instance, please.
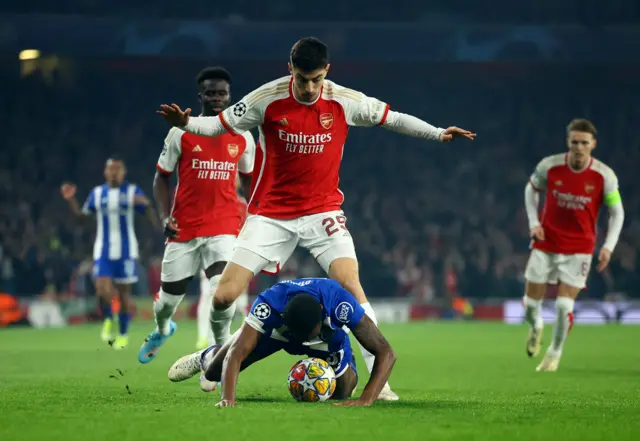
(309, 54)
(213, 73)
(302, 315)
(582, 125)
(117, 158)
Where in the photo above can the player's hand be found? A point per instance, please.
(604, 257)
(452, 133)
(354, 403)
(68, 191)
(227, 403)
(170, 227)
(174, 115)
(537, 233)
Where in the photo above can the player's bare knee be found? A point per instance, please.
(227, 291)
(536, 291)
(569, 291)
(176, 288)
(345, 385)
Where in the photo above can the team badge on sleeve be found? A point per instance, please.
(344, 311)
(262, 311)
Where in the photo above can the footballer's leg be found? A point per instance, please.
(125, 276)
(263, 244)
(216, 253)
(209, 362)
(537, 275)
(573, 271)
(205, 336)
(179, 264)
(103, 274)
(346, 384)
(328, 240)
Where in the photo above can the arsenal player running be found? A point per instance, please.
(303, 120)
(203, 222)
(564, 237)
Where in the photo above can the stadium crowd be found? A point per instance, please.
(429, 220)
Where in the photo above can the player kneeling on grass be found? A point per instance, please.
(303, 317)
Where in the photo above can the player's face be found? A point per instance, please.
(308, 85)
(314, 334)
(215, 96)
(114, 172)
(580, 144)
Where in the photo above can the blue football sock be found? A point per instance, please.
(105, 307)
(123, 319)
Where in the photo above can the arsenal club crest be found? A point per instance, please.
(326, 120)
(589, 187)
(233, 150)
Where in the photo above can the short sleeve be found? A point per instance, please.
(247, 159)
(361, 110)
(244, 115)
(262, 317)
(171, 152)
(345, 309)
(89, 206)
(138, 204)
(539, 177)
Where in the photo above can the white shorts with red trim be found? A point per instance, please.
(570, 269)
(184, 259)
(324, 235)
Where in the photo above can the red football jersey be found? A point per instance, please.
(572, 203)
(205, 202)
(301, 144)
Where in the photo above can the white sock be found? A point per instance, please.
(369, 358)
(164, 308)
(221, 323)
(207, 288)
(532, 312)
(564, 311)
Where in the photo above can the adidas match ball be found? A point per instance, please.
(312, 379)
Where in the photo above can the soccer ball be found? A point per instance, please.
(311, 380)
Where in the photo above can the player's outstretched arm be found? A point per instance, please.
(68, 192)
(412, 126)
(240, 349)
(369, 336)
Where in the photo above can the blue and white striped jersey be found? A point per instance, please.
(114, 209)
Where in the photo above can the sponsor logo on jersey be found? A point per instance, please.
(558, 183)
(571, 201)
(344, 311)
(305, 143)
(233, 150)
(211, 169)
(283, 122)
(326, 120)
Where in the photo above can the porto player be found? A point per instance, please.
(302, 317)
(576, 185)
(202, 224)
(115, 250)
(303, 120)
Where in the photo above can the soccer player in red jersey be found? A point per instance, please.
(303, 120)
(576, 185)
(202, 224)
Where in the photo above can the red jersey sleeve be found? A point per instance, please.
(171, 152)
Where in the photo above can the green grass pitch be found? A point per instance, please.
(457, 381)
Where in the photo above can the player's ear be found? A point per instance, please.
(290, 68)
(327, 67)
